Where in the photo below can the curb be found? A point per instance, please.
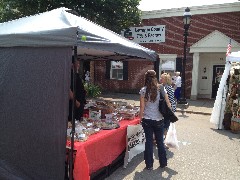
(193, 112)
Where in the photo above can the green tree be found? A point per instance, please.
(111, 14)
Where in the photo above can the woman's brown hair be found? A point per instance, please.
(151, 83)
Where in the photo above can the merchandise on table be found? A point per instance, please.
(101, 115)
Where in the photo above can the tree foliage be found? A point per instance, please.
(112, 14)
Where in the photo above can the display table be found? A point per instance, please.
(100, 150)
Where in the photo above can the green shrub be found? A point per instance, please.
(92, 90)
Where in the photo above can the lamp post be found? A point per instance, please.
(186, 21)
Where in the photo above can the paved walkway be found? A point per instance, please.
(204, 154)
(200, 106)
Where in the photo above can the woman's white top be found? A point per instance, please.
(151, 110)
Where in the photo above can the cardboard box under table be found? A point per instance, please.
(100, 150)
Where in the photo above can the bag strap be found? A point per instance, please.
(161, 90)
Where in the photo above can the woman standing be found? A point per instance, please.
(152, 119)
(166, 81)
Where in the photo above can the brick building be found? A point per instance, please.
(211, 29)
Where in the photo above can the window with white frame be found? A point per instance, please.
(167, 63)
(116, 71)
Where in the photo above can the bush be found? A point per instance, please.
(92, 90)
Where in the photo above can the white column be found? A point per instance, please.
(195, 70)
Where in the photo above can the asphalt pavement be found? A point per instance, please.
(204, 153)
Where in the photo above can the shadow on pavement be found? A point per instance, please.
(227, 133)
(168, 151)
(144, 174)
(130, 168)
(155, 174)
(183, 115)
(201, 103)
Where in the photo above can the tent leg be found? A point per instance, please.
(73, 119)
(156, 67)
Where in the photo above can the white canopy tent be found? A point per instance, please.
(35, 64)
(220, 102)
(61, 28)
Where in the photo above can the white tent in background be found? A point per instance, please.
(234, 57)
(220, 102)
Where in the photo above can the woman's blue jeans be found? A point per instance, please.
(156, 127)
(166, 123)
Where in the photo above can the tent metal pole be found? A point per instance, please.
(156, 67)
(73, 115)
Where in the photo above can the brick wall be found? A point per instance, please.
(136, 70)
(201, 26)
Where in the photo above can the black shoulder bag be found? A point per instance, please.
(165, 110)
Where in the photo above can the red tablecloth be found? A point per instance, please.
(100, 150)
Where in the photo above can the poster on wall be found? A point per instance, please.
(145, 34)
(168, 65)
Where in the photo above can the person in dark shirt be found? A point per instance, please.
(80, 97)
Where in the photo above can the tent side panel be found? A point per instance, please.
(34, 90)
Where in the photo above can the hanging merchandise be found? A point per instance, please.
(228, 96)
(231, 119)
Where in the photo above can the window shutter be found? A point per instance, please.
(108, 68)
(125, 70)
(179, 65)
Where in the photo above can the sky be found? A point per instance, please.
(149, 5)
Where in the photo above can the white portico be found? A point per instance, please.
(209, 56)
